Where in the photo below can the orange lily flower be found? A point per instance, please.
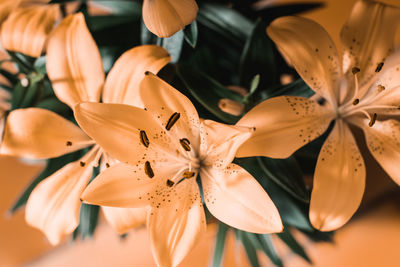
(75, 69)
(166, 17)
(162, 149)
(362, 94)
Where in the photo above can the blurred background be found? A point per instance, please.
(370, 239)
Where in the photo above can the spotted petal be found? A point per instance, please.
(166, 17)
(125, 219)
(73, 62)
(53, 206)
(283, 124)
(234, 197)
(175, 227)
(311, 51)
(39, 133)
(26, 29)
(368, 37)
(339, 180)
(122, 84)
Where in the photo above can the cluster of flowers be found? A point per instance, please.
(151, 144)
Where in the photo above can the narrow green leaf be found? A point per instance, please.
(220, 244)
(294, 246)
(268, 247)
(121, 7)
(249, 243)
(18, 95)
(88, 219)
(254, 84)
(174, 45)
(191, 34)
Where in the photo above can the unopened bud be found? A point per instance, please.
(231, 107)
(237, 89)
(286, 79)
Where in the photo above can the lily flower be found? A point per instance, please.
(162, 149)
(166, 17)
(75, 69)
(364, 93)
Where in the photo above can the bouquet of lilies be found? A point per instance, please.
(174, 114)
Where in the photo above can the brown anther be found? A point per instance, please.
(373, 120)
(188, 175)
(172, 120)
(379, 67)
(355, 70)
(69, 143)
(107, 165)
(381, 88)
(356, 101)
(148, 170)
(143, 138)
(82, 163)
(185, 143)
(170, 183)
(147, 72)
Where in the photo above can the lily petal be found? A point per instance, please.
(339, 180)
(234, 197)
(163, 101)
(124, 186)
(116, 128)
(166, 17)
(221, 141)
(176, 227)
(368, 38)
(73, 62)
(283, 124)
(26, 29)
(53, 206)
(6, 7)
(383, 141)
(122, 83)
(125, 219)
(39, 134)
(311, 51)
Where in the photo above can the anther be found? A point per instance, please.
(185, 143)
(355, 70)
(188, 175)
(172, 120)
(147, 72)
(373, 120)
(381, 88)
(143, 138)
(379, 67)
(107, 165)
(82, 163)
(148, 170)
(170, 183)
(356, 101)
(69, 143)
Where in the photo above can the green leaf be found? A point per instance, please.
(254, 84)
(208, 92)
(249, 243)
(258, 58)
(121, 7)
(88, 219)
(220, 244)
(191, 34)
(292, 243)
(174, 45)
(266, 245)
(52, 166)
(53, 104)
(18, 95)
(286, 173)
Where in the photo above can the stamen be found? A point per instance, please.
(148, 170)
(356, 101)
(172, 120)
(143, 139)
(107, 165)
(69, 143)
(82, 163)
(355, 70)
(170, 183)
(185, 143)
(188, 175)
(381, 88)
(373, 120)
(379, 67)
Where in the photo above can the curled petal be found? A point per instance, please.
(73, 62)
(368, 37)
(311, 51)
(282, 125)
(175, 228)
(339, 180)
(122, 83)
(125, 219)
(166, 17)
(39, 133)
(53, 206)
(26, 29)
(234, 197)
(6, 7)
